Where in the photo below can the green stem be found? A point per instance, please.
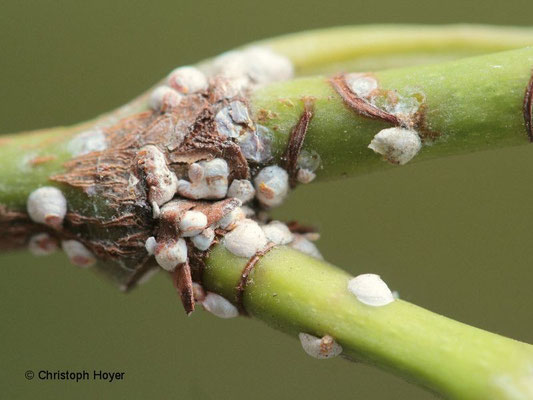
(296, 293)
(376, 47)
(469, 105)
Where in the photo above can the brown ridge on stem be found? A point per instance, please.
(359, 105)
(528, 109)
(244, 276)
(296, 141)
(41, 160)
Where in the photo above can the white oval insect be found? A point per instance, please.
(272, 185)
(203, 240)
(78, 254)
(304, 245)
(246, 239)
(187, 80)
(219, 306)
(230, 220)
(266, 66)
(278, 233)
(370, 290)
(42, 244)
(163, 98)
(396, 145)
(241, 189)
(192, 223)
(48, 206)
(361, 84)
(321, 348)
(86, 142)
(305, 176)
(161, 181)
(150, 245)
(209, 180)
(170, 254)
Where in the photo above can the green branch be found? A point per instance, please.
(455, 107)
(295, 293)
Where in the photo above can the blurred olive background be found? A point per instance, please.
(453, 235)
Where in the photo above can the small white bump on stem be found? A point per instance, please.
(192, 223)
(150, 245)
(272, 185)
(164, 98)
(259, 64)
(246, 239)
(171, 253)
(321, 348)
(278, 233)
(396, 145)
(78, 254)
(219, 306)
(305, 176)
(230, 220)
(187, 80)
(370, 290)
(302, 244)
(241, 189)
(42, 244)
(361, 84)
(47, 205)
(162, 182)
(203, 240)
(198, 292)
(212, 183)
(86, 142)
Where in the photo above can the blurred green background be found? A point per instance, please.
(453, 235)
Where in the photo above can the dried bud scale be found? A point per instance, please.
(78, 254)
(320, 348)
(47, 205)
(42, 244)
(370, 290)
